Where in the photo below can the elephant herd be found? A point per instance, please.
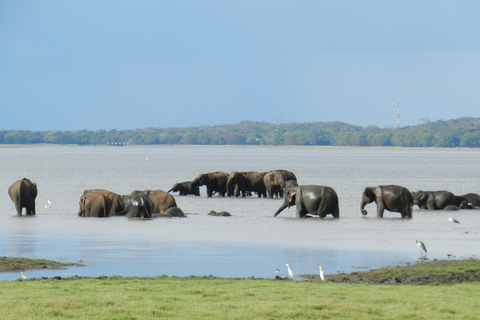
(313, 199)
(264, 184)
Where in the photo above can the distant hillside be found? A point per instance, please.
(461, 132)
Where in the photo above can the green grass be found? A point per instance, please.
(218, 298)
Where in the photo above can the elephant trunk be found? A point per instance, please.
(362, 206)
(284, 205)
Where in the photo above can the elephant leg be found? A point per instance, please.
(18, 208)
(380, 210)
(209, 192)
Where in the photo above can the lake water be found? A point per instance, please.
(251, 242)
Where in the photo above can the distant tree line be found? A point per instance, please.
(462, 132)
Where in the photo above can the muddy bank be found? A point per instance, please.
(431, 272)
(23, 264)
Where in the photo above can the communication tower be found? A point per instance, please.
(398, 114)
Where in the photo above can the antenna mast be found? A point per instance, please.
(398, 114)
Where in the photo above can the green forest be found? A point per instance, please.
(461, 132)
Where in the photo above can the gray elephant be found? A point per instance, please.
(472, 200)
(139, 206)
(161, 199)
(214, 181)
(435, 200)
(274, 182)
(241, 183)
(219, 214)
(23, 194)
(313, 199)
(95, 204)
(185, 188)
(116, 205)
(391, 197)
(170, 213)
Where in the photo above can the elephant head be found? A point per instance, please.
(200, 180)
(289, 199)
(420, 199)
(368, 196)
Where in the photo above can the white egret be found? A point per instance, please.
(24, 277)
(453, 220)
(49, 204)
(421, 245)
(290, 272)
(322, 276)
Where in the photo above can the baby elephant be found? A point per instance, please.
(311, 199)
(185, 188)
(392, 198)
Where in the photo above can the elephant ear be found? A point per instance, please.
(369, 194)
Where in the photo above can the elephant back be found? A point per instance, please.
(161, 200)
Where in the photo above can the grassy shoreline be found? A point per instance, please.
(251, 298)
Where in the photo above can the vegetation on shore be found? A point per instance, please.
(21, 264)
(462, 132)
(209, 297)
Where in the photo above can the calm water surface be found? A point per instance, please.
(251, 242)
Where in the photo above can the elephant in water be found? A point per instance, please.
(245, 182)
(170, 212)
(116, 204)
(95, 204)
(23, 194)
(185, 188)
(319, 200)
(274, 182)
(214, 181)
(392, 198)
(219, 214)
(435, 200)
(161, 199)
(139, 206)
(471, 200)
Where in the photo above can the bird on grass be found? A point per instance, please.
(322, 276)
(453, 220)
(24, 277)
(290, 272)
(422, 247)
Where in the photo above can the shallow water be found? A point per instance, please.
(251, 242)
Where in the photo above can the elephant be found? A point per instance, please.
(95, 204)
(219, 214)
(170, 212)
(117, 206)
(274, 182)
(246, 182)
(434, 200)
(472, 199)
(313, 199)
(138, 206)
(391, 197)
(215, 182)
(185, 188)
(23, 193)
(161, 199)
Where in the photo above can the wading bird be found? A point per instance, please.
(290, 272)
(421, 245)
(453, 220)
(322, 276)
(24, 277)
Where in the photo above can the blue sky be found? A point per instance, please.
(73, 65)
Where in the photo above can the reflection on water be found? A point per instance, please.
(251, 242)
